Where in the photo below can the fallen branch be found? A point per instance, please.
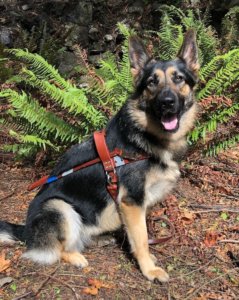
(8, 195)
(191, 295)
(36, 292)
(229, 241)
(214, 208)
(23, 296)
(231, 197)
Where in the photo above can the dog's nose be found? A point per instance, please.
(168, 102)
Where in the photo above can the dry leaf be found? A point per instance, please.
(158, 212)
(188, 217)
(94, 282)
(4, 263)
(91, 291)
(211, 238)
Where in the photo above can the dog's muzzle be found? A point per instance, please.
(168, 104)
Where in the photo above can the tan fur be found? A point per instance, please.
(134, 219)
(74, 258)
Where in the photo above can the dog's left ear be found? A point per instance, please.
(189, 51)
(138, 55)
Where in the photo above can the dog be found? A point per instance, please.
(155, 120)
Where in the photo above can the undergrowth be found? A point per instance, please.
(48, 111)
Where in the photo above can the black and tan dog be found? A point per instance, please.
(155, 120)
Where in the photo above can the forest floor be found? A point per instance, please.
(202, 258)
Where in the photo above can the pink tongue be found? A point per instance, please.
(170, 123)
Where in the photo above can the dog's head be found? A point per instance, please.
(164, 89)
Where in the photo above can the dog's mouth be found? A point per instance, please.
(170, 122)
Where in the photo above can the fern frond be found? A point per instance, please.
(214, 149)
(73, 99)
(29, 109)
(220, 116)
(41, 67)
(223, 77)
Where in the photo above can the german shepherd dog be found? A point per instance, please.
(65, 214)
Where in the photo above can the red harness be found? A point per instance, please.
(109, 160)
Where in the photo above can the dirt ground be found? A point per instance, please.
(202, 258)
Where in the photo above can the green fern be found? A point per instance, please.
(214, 149)
(230, 28)
(222, 77)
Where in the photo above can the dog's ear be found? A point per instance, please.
(138, 55)
(189, 51)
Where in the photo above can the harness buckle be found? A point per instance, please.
(119, 161)
(108, 177)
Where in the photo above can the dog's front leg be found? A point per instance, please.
(134, 218)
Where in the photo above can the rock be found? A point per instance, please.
(95, 60)
(77, 35)
(5, 36)
(108, 38)
(93, 33)
(136, 8)
(68, 61)
(25, 7)
(81, 13)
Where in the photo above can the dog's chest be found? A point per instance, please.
(159, 182)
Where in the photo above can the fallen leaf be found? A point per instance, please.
(210, 239)
(5, 280)
(99, 283)
(188, 217)
(95, 282)
(91, 291)
(158, 212)
(4, 263)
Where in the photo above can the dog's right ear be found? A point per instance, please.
(138, 55)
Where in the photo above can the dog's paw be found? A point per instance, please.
(75, 259)
(157, 274)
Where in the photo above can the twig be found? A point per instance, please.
(76, 296)
(36, 292)
(196, 270)
(67, 285)
(213, 208)
(206, 283)
(232, 197)
(229, 241)
(8, 195)
(23, 296)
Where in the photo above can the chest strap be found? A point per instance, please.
(109, 160)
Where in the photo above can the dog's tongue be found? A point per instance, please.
(170, 123)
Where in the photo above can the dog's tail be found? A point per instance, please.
(10, 233)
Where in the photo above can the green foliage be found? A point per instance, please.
(66, 112)
(5, 71)
(112, 82)
(175, 22)
(219, 78)
(230, 29)
(38, 127)
(215, 148)
(219, 74)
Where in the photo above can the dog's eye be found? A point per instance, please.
(151, 82)
(178, 78)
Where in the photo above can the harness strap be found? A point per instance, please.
(107, 162)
